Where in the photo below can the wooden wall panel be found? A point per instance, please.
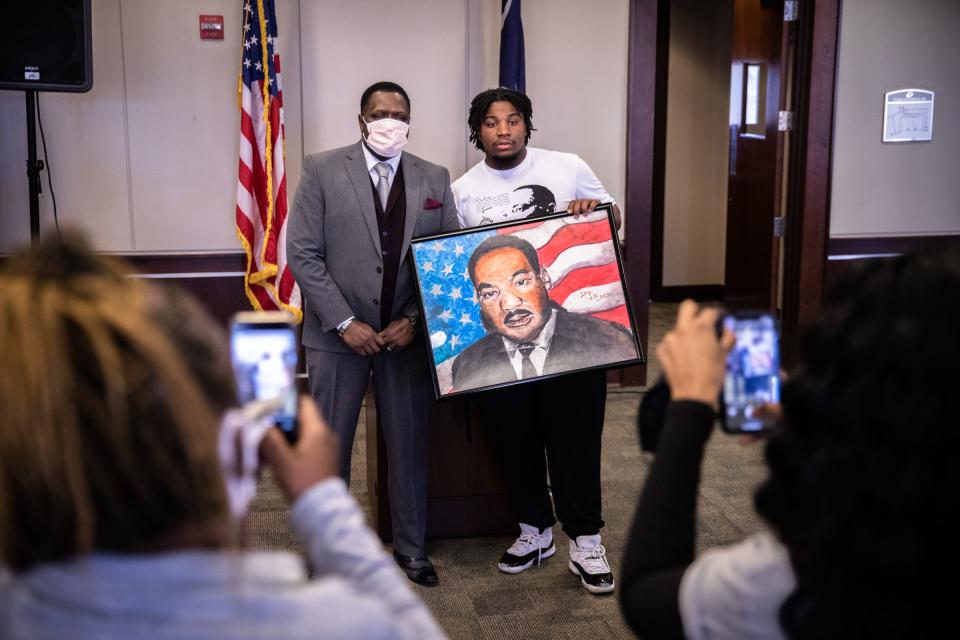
(216, 280)
(646, 143)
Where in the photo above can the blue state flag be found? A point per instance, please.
(512, 74)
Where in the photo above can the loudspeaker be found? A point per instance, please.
(46, 46)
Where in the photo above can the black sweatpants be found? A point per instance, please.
(562, 417)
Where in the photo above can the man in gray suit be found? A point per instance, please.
(353, 217)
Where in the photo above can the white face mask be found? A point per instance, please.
(387, 137)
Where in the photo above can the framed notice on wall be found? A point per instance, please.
(908, 115)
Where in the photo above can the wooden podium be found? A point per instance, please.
(466, 495)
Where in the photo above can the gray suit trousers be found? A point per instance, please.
(401, 388)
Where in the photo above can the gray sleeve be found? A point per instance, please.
(306, 249)
(331, 526)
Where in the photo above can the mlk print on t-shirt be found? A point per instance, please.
(528, 201)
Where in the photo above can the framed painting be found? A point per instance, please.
(524, 300)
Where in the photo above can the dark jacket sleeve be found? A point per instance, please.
(661, 542)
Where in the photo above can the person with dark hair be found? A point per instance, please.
(562, 416)
(528, 335)
(504, 241)
(386, 87)
(353, 216)
(481, 104)
(862, 474)
(116, 515)
(514, 180)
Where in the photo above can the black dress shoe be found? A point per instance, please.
(420, 570)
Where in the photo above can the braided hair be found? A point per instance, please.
(481, 104)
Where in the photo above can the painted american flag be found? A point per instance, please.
(578, 254)
(262, 188)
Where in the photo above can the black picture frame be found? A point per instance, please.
(579, 290)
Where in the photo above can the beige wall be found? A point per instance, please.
(147, 161)
(87, 141)
(577, 79)
(697, 145)
(903, 188)
(429, 62)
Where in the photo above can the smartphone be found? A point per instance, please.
(263, 347)
(752, 375)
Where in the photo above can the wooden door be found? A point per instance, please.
(751, 272)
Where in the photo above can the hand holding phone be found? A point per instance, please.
(692, 357)
(263, 346)
(752, 378)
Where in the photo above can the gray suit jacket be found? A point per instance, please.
(333, 241)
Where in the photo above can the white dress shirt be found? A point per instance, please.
(541, 346)
(373, 161)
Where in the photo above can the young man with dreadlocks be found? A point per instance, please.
(560, 416)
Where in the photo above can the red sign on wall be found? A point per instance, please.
(211, 27)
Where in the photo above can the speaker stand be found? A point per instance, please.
(34, 166)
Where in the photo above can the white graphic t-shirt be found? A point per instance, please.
(544, 183)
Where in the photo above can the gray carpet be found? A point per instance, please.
(476, 601)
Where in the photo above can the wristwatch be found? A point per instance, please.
(342, 328)
(413, 322)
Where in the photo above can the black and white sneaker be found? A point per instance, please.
(532, 547)
(588, 559)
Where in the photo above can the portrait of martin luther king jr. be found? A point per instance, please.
(528, 335)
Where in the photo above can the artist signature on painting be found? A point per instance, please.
(594, 296)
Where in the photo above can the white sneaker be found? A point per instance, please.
(532, 547)
(588, 559)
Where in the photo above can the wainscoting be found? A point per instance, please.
(846, 253)
(215, 280)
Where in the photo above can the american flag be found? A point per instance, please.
(578, 254)
(262, 188)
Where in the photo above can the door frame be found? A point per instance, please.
(810, 162)
(647, 51)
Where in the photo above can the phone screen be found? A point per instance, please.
(265, 363)
(753, 372)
